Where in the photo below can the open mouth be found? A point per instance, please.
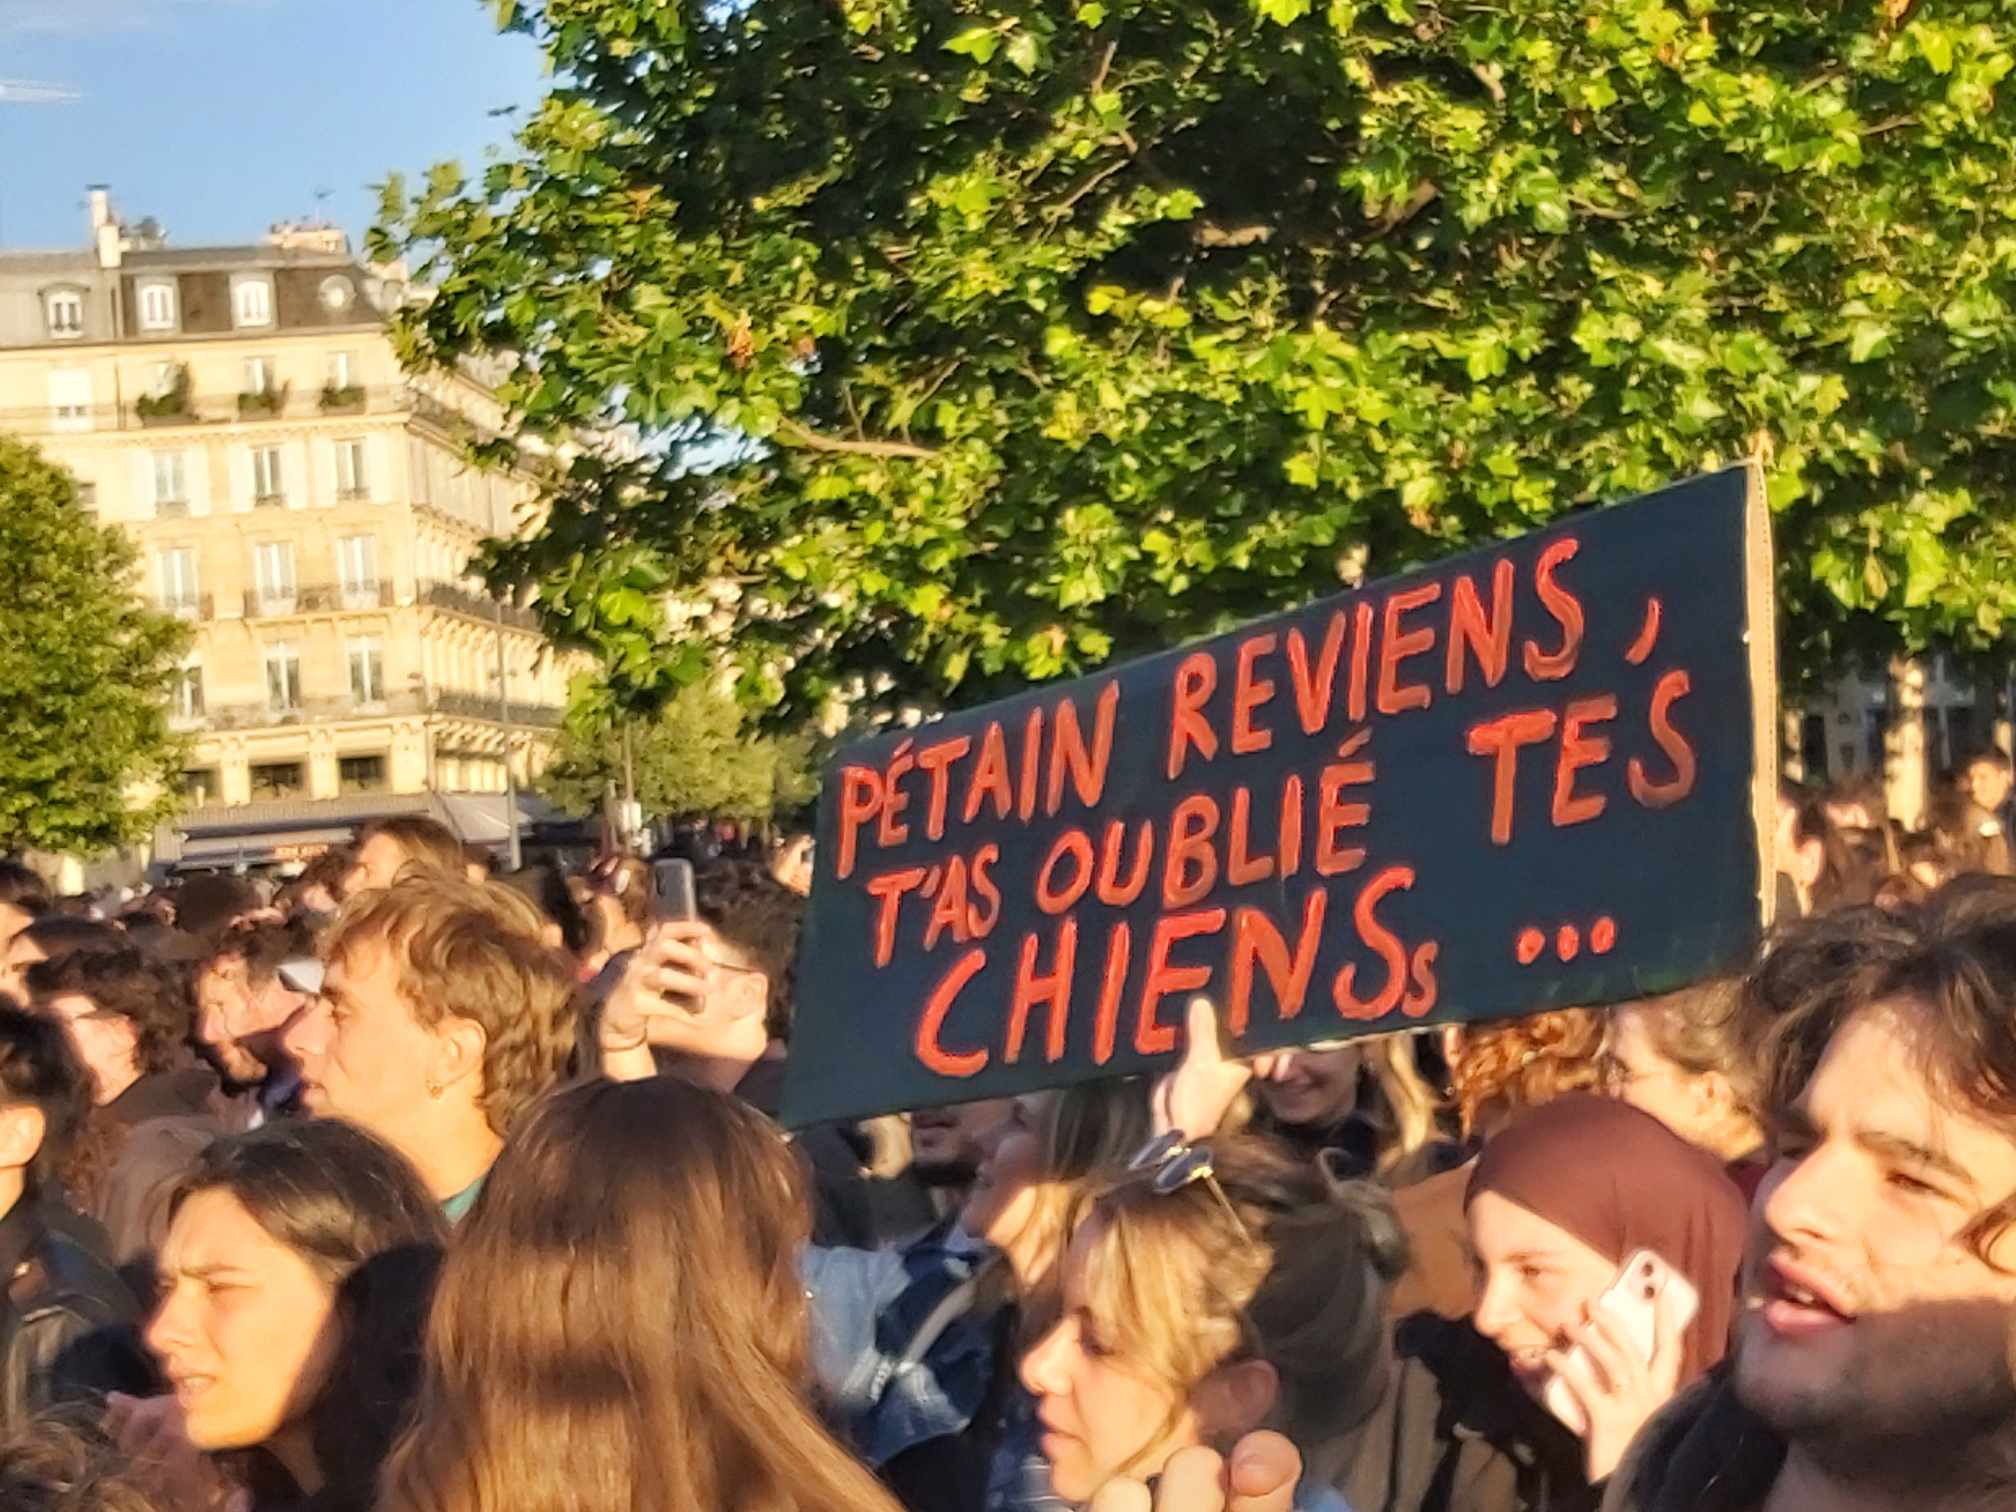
(1798, 1303)
(190, 1387)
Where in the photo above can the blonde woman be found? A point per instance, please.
(1210, 1292)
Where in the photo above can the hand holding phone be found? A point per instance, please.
(1647, 1294)
(673, 899)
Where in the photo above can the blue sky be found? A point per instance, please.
(219, 117)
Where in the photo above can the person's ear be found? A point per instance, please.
(1810, 858)
(22, 1129)
(458, 1052)
(1235, 1399)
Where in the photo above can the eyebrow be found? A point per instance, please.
(1898, 1148)
(1905, 1151)
(210, 1272)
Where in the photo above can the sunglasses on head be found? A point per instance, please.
(1168, 1165)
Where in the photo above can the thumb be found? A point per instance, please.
(1266, 1469)
(1201, 1046)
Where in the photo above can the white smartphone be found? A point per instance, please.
(1646, 1289)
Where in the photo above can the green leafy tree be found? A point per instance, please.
(87, 760)
(696, 758)
(1062, 331)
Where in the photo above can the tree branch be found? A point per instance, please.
(794, 434)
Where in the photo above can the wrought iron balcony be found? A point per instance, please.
(440, 594)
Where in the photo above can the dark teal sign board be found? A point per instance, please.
(1534, 775)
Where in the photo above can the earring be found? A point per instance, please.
(433, 1087)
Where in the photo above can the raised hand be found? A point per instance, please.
(1195, 1097)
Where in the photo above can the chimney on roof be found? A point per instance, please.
(105, 233)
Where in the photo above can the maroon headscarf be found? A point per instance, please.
(1621, 1181)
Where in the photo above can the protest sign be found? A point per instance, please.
(1536, 775)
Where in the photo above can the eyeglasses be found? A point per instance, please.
(1168, 1165)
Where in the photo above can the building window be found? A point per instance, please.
(258, 375)
(175, 567)
(266, 487)
(70, 398)
(352, 481)
(360, 774)
(337, 293)
(283, 677)
(273, 573)
(157, 307)
(199, 784)
(357, 566)
(87, 496)
(66, 314)
(186, 691)
(342, 370)
(171, 483)
(162, 384)
(277, 779)
(252, 302)
(367, 670)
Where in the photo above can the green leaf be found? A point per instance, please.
(1023, 51)
(1091, 14)
(1282, 12)
(979, 43)
(1867, 339)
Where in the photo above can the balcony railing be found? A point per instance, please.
(187, 605)
(316, 598)
(483, 706)
(440, 594)
(171, 509)
(258, 716)
(218, 408)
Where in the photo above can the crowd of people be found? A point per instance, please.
(415, 1188)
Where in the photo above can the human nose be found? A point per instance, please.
(1495, 1313)
(1285, 1064)
(1806, 1202)
(1043, 1366)
(309, 1033)
(169, 1327)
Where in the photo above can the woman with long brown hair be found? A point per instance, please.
(621, 1324)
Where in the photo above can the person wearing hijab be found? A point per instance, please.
(1557, 1203)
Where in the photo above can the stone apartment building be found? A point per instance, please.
(240, 411)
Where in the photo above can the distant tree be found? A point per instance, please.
(699, 758)
(87, 760)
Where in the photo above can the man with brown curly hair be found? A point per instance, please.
(153, 1110)
(441, 1016)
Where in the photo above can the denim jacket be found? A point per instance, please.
(903, 1356)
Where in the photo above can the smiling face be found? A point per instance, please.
(1533, 1279)
(1313, 1088)
(1100, 1415)
(1003, 1201)
(244, 1331)
(1869, 1312)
